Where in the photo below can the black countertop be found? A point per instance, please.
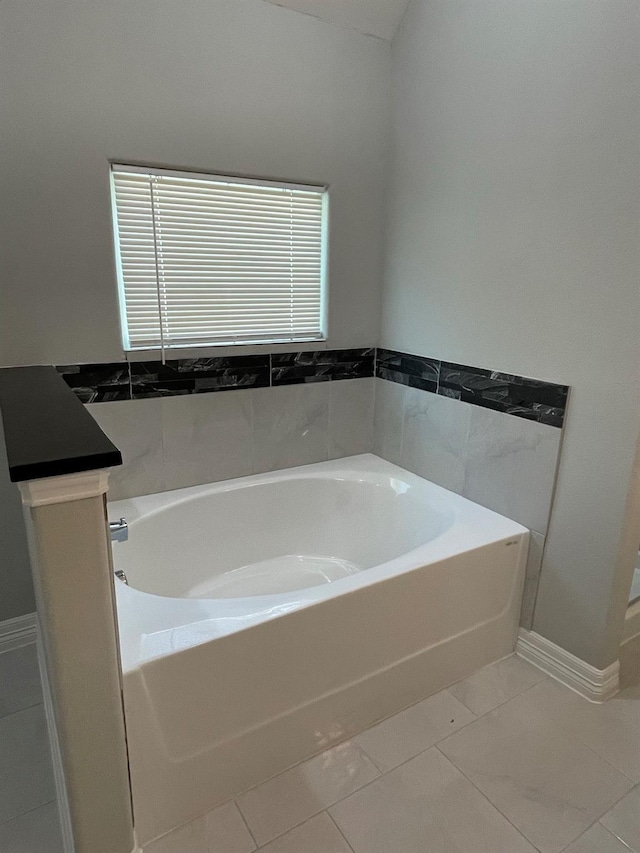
(48, 431)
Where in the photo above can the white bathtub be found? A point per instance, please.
(269, 617)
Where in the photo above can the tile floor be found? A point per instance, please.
(28, 812)
(507, 761)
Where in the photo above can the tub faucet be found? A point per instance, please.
(119, 530)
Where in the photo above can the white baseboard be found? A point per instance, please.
(18, 632)
(596, 685)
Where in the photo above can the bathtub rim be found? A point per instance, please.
(175, 624)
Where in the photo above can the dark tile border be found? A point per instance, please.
(136, 380)
(504, 392)
(291, 368)
(532, 399)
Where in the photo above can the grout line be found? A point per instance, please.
(563, 731)
(291, 828)
(572, 734)
(25, 708)
(21, 710)
(462, 773)
(28, 812)
(332, 819)
(244, 820)
(505, 701)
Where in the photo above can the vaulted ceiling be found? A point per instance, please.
(374, 17)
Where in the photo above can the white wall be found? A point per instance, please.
(237, 86)
(513, 244)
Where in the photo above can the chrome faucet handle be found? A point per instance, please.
(119, 530)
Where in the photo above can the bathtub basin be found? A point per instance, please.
(269, 617)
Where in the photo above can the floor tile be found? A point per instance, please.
(20, 680)
(597, 840)
(318, 835)
(37, 831)
(26, 773)
(547, 783)
(495, 684)
(220, 831)
(404, 735)
(297, 794)
(425, 806)
(226, 831)
(612, 729)
(624, 820)
(190, 838)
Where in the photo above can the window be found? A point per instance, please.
(205, 259)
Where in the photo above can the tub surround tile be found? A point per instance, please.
(434, 438)
(351, 417)
(532, 399)
(510, 466)
(135, 427)
(198, 375)
(394, 741)
(504, 392)
(425, 805)
(531, 578)
(520, 396)
(133, 380)
(496, 684)
(415, 421)
(546, 782)
(506, 464)
(318, 835)
(291, 426)
(388, 419)
(206, 438)
(321, 366)
(283, 802)
(412, 370)
(98, 383)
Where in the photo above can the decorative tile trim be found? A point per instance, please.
(98, 383)
(198, 375)
(532, 399)
(504, 392)
(295, 367)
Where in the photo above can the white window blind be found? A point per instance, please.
(205, 259)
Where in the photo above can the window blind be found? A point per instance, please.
(205, 260)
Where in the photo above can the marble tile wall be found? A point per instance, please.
(505, 463)
(531, 399)
(492, 437)
(176, 441)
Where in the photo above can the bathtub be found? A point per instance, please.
(267, 618)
